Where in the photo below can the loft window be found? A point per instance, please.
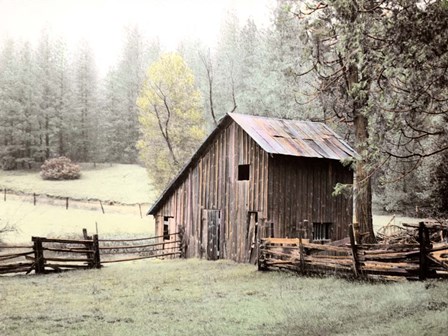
(166, 228)
(321, 231)
(243, 172)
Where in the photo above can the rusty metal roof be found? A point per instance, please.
(294, 137)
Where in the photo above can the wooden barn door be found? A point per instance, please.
(211, 233)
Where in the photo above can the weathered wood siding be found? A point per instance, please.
(212, 184)
(301, 189)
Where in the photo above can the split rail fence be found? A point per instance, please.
(369, 261)
(56, 255)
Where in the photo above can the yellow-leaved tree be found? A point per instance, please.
(171, 118)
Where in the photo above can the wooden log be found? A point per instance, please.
(347, 261)
(14, 256)
(65, 241)
(68, 250)
(329, 248)
(391, 256)
(14, 265)
(389, 265)
(67, 266)
(138, 258)
(16, 246)
(135, 239)
(138, 246)
(14, 270)
(63, 259)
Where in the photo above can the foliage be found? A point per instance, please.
(381, 69)
(171, 118)
(60, 168)
(175, 297)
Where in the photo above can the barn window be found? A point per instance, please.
(321, 231)
(243, 172)
(166, 228)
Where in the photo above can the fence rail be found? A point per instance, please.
(55, 254)
(369, 261)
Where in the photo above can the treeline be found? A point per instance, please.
(376, 71)
(53, 102)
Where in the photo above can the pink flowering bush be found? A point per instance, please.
(60, 168)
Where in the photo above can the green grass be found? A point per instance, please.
(192, 297)
(118, 182)
(55, 221)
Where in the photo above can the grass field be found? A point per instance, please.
(118, 182)
(192, 297)
(128, 184)
(56, 221)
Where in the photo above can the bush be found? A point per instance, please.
(60, 168)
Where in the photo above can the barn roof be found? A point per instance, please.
(294, 137)
(275, 136)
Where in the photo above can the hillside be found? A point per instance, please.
(121, 183)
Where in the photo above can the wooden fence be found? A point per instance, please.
(369, 261)
(169, 245)
(55, 255)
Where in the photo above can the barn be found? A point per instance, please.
(255, 177)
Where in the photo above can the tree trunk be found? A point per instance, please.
(363, 203)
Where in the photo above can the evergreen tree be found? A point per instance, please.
(86, 117)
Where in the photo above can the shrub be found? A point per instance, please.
(60, 168)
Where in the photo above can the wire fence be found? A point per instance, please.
(92, 204)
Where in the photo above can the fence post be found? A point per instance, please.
(272, 230)
(89, 246)
(102, 208)
(34, 198)
(302, 255)
(423, 238)
(66, 203)
(39, 260)
(307, 231)
(183, 244)
(4, 195)
(96, 253)
(356, 268)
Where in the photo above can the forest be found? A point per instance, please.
(375, 71)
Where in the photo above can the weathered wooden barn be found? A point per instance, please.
(256, 176)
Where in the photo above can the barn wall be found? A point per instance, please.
(300, 189)
(211, 184)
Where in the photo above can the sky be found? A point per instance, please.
(102, 22)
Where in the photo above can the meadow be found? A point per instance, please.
(121, 188)
(194, 297)
(123, 183)
(185, 297)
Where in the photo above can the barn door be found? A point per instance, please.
(211, 233)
